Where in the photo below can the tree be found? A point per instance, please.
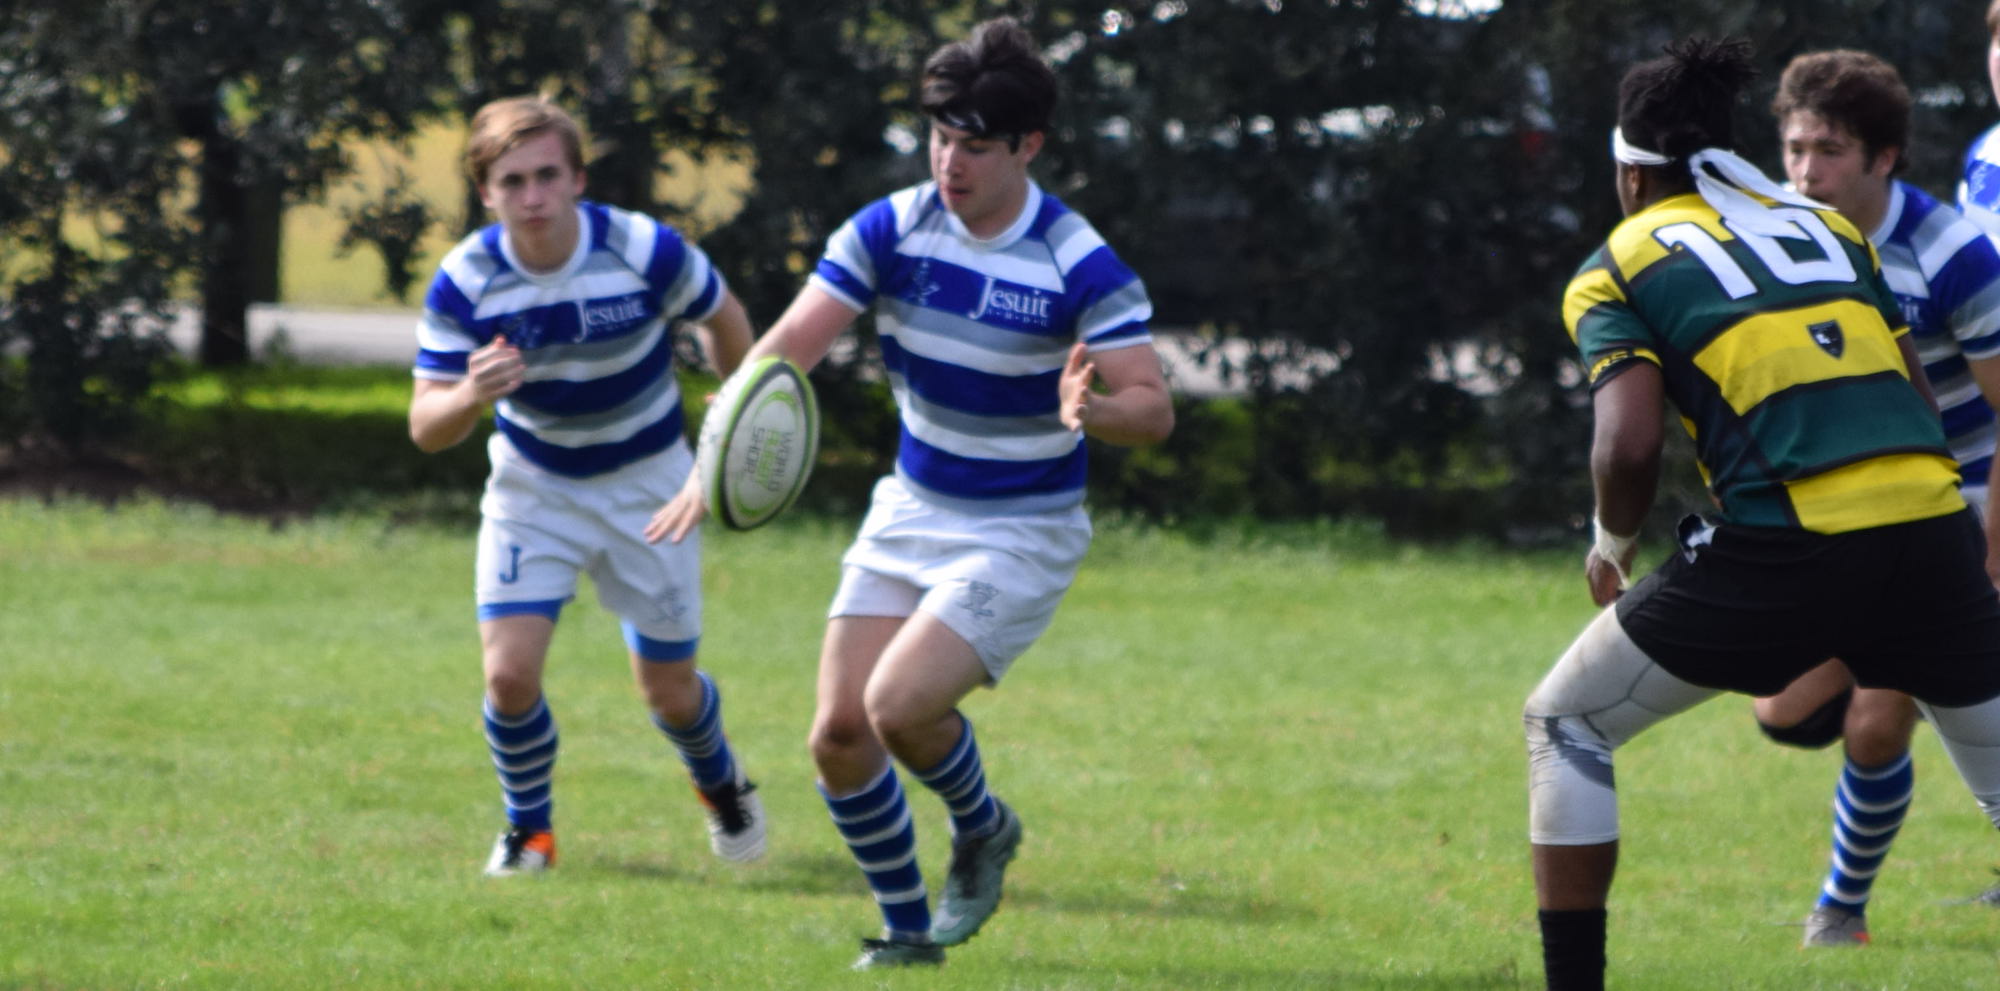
(240, 97)
(81, 329)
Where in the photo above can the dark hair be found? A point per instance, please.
(1685, 100)
(1993, 18)
(993, 83)
(1854, 90)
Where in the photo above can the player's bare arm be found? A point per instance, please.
(807, 328)
(1914, 366)
(1986, 372)
(443, 413)
(804, 334)
(726, 336)
(1134, 408)
(1624, 466)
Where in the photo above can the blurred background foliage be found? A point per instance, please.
(1357, 214)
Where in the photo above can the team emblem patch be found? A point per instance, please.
(1827, 335)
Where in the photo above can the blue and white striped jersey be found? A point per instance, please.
(597, 336)
(974, 335)
(1979, 183)
(1946, 277)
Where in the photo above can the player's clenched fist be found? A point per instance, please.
(495, 370)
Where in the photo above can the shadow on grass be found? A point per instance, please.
(833, 873)
(1082, 973)
(798, 874)
(1191, 905)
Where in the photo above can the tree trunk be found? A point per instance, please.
(265, 238)
(622, 175)
(224, 214)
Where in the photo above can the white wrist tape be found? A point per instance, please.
(1612, 548)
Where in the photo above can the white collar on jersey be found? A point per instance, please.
(1726, 181)
(1891, 216)
(1030, 208)
(560, 274)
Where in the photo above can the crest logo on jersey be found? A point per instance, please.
(1827, 335)
(926, 286)
(1012, 305)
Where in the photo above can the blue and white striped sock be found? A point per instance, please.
(703, 747)
(960, 779)
(876, 824)
(1868, 809)
(524, 755)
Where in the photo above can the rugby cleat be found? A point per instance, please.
(1990, 896)
(735, 820)
(972, 883)
(522, 851)
(1831, 925)
(885, 954)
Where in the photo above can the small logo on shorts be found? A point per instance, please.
(670, 608)
(975, 598)
(512, 573)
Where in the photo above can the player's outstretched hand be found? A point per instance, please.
(1073, 390)
(495, 370)
(681, 514)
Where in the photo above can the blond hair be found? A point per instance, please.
(501, 126)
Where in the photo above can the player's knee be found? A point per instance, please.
(1570, 739)
(1818, 729)
(895, 724)
(1572, 793)
(672, 691)
(512, 691)
(837, 736)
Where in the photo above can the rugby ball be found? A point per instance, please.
(758, 443)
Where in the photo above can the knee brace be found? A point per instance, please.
(1817, 730)
(1572, 792)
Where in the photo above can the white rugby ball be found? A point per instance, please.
(758, 443)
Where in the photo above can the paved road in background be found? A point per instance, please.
(388, 337)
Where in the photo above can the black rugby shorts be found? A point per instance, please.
(1907, 606)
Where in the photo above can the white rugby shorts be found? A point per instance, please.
(538, 530)
(994, 580)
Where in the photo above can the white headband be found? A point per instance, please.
(1726, 181)
(1631, 154)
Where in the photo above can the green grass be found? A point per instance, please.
(239, 755)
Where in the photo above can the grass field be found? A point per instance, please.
(238, 755)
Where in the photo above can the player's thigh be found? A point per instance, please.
(1605, 679)
(849, 653)
(1804, 696)
(923, 674)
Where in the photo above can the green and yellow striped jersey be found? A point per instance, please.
(1780, 354)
